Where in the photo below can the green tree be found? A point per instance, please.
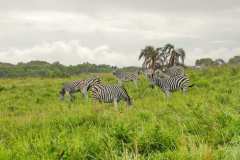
(204, 62)
(234, 60)
(219, 61)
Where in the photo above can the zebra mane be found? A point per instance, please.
(92, 81)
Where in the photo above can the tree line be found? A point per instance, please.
(45, 69)
(210, 62)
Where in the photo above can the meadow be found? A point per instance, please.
(202, 125)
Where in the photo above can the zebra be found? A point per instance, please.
(77, 86)
(174, 71)
(171, 84)
(110, 93)
(160, 74)
(126, 76)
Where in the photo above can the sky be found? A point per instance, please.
(114, 31)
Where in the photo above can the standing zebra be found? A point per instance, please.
(126, 76)
(171, 84)
(77, 86)
(110, 93)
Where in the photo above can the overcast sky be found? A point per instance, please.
(114, 31)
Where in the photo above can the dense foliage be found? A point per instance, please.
(202, 125)
(45, 69)
(234, 60)
(204, 61)
(207, 62)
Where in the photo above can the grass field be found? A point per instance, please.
(202, 125)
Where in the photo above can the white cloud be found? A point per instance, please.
(71, 52)
(147, 25)
(127, 31)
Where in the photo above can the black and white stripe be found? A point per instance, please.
(160, 74)
(110, 93)
(126, 76)
(175, 71)
(171, 84)
(77, 86)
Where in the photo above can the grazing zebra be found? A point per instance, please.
(174, 71)
(126, 76)
(171, 84)
(77, 86)
(110, 93)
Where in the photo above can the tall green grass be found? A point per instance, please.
(202, 125)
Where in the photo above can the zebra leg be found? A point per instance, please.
(94, 103)
(72, 97)
(167, 93)
(184, 89)
(135, 82)
(115, 103)
(85, 93)
(120, 82)
(62, 93)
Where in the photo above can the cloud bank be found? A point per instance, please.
(68, 53)
(73, 52)
(114, 32)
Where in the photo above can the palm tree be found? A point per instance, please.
(174, 54)
(168, 49)
(163, 56)
(151, 58)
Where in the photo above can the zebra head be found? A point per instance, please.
(92, 81)
(116, 72)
